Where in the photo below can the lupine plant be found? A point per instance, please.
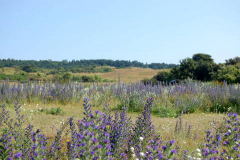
(103, 136)
(223, 144)
(170, 99)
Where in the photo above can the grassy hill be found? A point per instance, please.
(127, 75)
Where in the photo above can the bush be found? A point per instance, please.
(55, 111)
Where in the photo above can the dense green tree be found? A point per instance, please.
(29, 68)
(228, 73)
(233, 61)
(187, 68)
(202, 57)
(162, 76)
(64, 77)
(204, 70)
(205, 67)
(174, 73)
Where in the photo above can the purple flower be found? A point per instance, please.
(173, 151)
(94, 140)
(18, 155)
(172, 142)
(99, 146)
(164, 147)
(83, 144)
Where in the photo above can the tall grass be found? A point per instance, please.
(186, 97)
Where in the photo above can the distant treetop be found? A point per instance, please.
(49, 64)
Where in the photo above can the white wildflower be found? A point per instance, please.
(199, 154)
(229, 131)
(141, 138)
(198, 150)
(133, 155)
(142, 154)
(132, 149)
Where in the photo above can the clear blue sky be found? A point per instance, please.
(146, 31)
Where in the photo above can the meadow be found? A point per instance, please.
(190, 120)
(128, 75)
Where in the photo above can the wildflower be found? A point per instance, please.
(198, 150)
(199, 154)
(132, 149)
(133, 155)
(141, 138)
(164, 147)
(174, 151)
(19, 155)
(172, 142)
(142, 154)
(189, 157)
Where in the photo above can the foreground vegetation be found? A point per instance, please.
(128, 127)
(104, 136)
(170, 100)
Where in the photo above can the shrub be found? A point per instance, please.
(55, 111)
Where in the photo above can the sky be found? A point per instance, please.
(153, 31)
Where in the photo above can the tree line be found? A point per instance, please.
(203, 68)
(76, 65)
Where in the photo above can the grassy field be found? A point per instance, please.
(188, 134)
(48, 106)
(127, 75)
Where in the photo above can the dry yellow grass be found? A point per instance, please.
(164, 126)
(127, 75)
(8, 70)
